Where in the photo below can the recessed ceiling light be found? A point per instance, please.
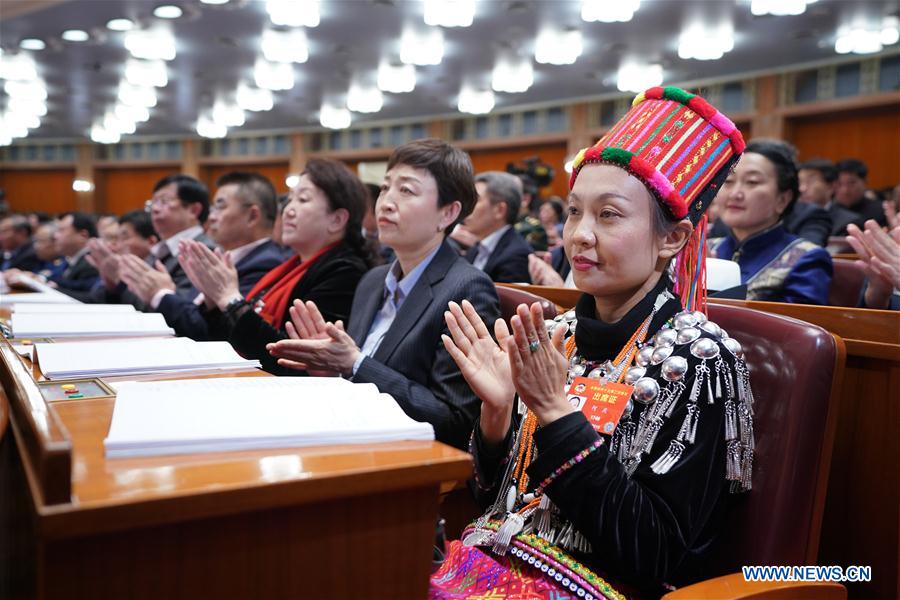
(214, 1)
(32, 44)
(167, 11)
(75, 35)
(120, 24)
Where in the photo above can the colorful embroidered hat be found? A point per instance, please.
(676, 143)
(682, 149)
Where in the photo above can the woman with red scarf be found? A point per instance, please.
(322, 224)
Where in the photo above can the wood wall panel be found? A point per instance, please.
(552, 154)
(49, 190)
(872, 136)
(276, 172)
(121, 190)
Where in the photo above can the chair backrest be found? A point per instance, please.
(847, 283)
(511, 298)
(796, 371)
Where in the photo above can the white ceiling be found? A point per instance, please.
(217, 47)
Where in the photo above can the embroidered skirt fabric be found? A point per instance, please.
(470, 573)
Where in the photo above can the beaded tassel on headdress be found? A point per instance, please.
(690, 270)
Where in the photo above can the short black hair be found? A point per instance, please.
(783, 157)
(255, 189)
(81, 222)
(451, 168)
(141, 222)
(189, 191)
(42, 217)
(20, 224)
(854, 166)
(824, 166)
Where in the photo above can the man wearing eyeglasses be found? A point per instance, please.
(179, 207)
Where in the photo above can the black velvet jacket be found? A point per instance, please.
(330, 282)
(646, 529)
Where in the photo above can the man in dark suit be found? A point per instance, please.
(240, 222)
(818, 179)
(851, 191)
(15, 242)
(500, 252)
(178, 210)
(73, 232)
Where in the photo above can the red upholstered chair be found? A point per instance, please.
(795, 371)
(511, 297)
(847, 283)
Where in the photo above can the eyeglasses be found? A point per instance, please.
(170, 200)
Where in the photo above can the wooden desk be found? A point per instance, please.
(336, 522)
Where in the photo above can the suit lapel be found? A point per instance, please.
(502, 243)
(363, 315)
(418, 301)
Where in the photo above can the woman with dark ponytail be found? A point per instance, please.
(322, 224)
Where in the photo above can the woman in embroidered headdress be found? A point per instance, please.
(756, 198)
(628, 493)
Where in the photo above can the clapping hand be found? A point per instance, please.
(212, 273)
(879, 258)
(322, 349)
(484, 365)
(143, 280)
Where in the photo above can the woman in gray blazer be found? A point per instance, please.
(393, 338)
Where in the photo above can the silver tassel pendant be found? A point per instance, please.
(747, 470)
(698, 381)
(709, 386)
(652, 431)
(719, 377)
(733, 461)
(511, 526)
(731, 432)
(626, 432)
(543, 518)
(566, 537)
(676, 389)
(668, 458)
(688, 431)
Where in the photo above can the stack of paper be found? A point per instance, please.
(16, 300)
(214, 415)
(72, 309)
(130, 324)
(68, 360)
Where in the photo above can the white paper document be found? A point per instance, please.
(215, 415)
(722, 274)
(72, 309)
(89, 325)
(16, 300)
(109, 358)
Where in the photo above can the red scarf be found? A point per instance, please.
(278, 285)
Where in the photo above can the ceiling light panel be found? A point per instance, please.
(512, 75)
(167, 11)
(285, 46)
(32, 44)
(449, 13)
(75, 35)
(334, 117)
(150, 44)
(779, 7)
(208, 128)
(253, 98)
(606, 11)
(137, 95)
(17, 67)
(702, 43)
(637, 78)
(273, 75)
(397, 79)
(364, 99)
(120, 25)
(31, 91)
(146, 73)
(293, 13)
(558, 47)
(476, 102)
(422, 47)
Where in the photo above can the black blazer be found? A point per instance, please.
(330, 282)
(23, 258)
(189, 319)
(77, 279)
(508, 263)
(183, 285)
(411, 363)
(810, 222)
(841, 217)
